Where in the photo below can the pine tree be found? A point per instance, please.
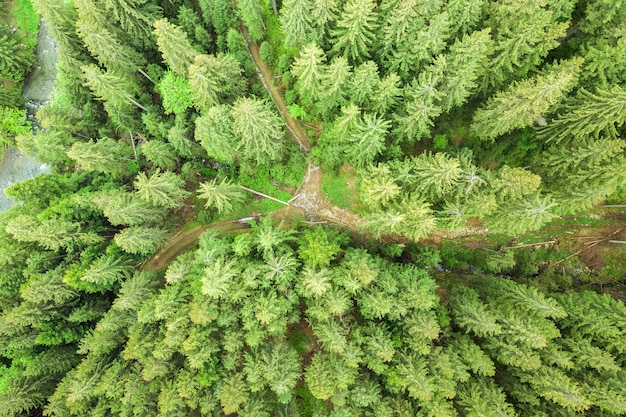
(123, 208)
(515, 183)
(258, 130)
(174, 46)
(333, 86)
(434, 176)
(310, 68)
(108, 49)
(378, 187)
(524, 34)
(363, 82)
(215, 134)
(135, 18)
(422, 98)
(161, 189)
(465, 14)
(110, 87)
(140, 239)
(324, 13)
(464, 65)
(525, 102)
(221, 196)
(354, 33)
(252, 16)
(529, 213)
(485, 399)
(296, 21)
(387, 93)
(368, 140)
(603, 64)
(589, 116)
(214, 80)
(105, 155)
(161, 154)
(108, 270)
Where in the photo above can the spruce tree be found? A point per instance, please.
(589, 116)
(135, 18)
(296, 22)
(175, 48)
(214, 80)
(354, 33)
(525, 102)
(164, 189)
(258, 130)
(310, 68)
(222, 196)
(140, 239)
(524, 34)
(215, 133)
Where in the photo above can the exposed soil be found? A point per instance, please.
(187, 240)
(267, 79)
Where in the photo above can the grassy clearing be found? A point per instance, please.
(340, 189)
(27, 21)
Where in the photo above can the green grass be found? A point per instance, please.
(337, 190)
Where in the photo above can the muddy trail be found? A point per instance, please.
(293, 126)
(184, 241)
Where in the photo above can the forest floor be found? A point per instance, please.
(590, 243)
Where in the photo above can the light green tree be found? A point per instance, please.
(108, 49)
(140, 239)
(363, 83)
(258, 130)
(524, 34)
(252, 16)
(135, 18)
(526, 102)
(354, 33)
(175, 48)
(464, 65)
(124, 208)
(164, 189)
(378, 187)
(221, 196)
(589, 116)
(214, 80)
(104, 155)
(296, 22)
(367, 141)
(324, 13)
(175, 93)
(161, 154)
(310, 67)
(521, 216)
(215, 133)
(333, 86)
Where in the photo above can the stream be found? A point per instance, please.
(14, 166)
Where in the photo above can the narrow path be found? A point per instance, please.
(184, 241)
(266, 78)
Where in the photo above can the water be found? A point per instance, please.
(38, 88)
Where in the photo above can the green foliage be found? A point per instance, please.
(140, 239)
(214, 80)
(526, 102)
(12, 123)
(174, 46)
(221, 196)
(258, 130)
(354, 33)
(176, 93)
(318, 247)
(161, 189)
